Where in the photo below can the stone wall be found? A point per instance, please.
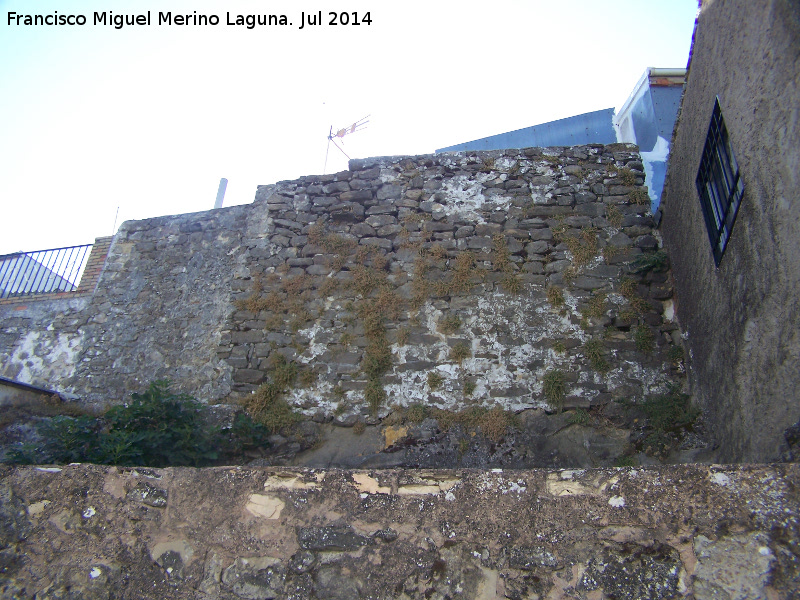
(520, 278)
(474, 275)
(699, 532)
(41, 336)
(741, 317)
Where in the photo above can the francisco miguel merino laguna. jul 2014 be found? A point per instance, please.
(118, 21)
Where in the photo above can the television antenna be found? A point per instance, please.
(359, 125)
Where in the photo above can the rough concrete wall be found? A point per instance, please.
(699, 532)
(742, 318)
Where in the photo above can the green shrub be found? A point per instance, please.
(626, 461)
(670, 412)
(156, 429)
(651, 261)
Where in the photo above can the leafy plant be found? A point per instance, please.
(626, 461)
(402, 336)
(651, 261)
(675, 355)
(614, 216)
(502, 256)
(580, 417)
(375, 395)
(626, 176)
(595, 352)
(643, 336)
(597, 305)
(377, 359)
(268, 407)
(583, 247)
(450, 324)
(460, 351)
(609, 252)
(555, 296)
(435, 380)
(512, 283)
(416, 413)
(553, 388)
(670, 412)
(283, 372)
(639, 196)
(157, 428)
(469, 387)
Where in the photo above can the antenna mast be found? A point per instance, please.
(359, 125)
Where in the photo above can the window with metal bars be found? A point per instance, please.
(719, 184)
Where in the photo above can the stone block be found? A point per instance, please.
(390, 192)
(479, 242)
(363, 229)
(330, 538)
(646, 242)
(247, 337)
(381, 209)
(336, 187)
(248, 376)
(356, 196)
(549, 211)
(380, 220)
(376, 241)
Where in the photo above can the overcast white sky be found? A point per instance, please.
(148, 118)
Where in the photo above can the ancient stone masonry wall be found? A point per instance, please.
(161, 305)
(41, 336)
(519, 278)
(700, 532)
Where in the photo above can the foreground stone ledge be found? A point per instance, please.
(85, 531)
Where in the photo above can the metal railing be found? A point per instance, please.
(42, 271)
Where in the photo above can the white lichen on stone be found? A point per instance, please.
(616, 501)
(720, 478)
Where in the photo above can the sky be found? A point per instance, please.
(100, 125)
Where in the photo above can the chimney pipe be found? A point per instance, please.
(223, 184)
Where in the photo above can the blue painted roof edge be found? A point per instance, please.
(605, 114)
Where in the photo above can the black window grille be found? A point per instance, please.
(719, 184)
